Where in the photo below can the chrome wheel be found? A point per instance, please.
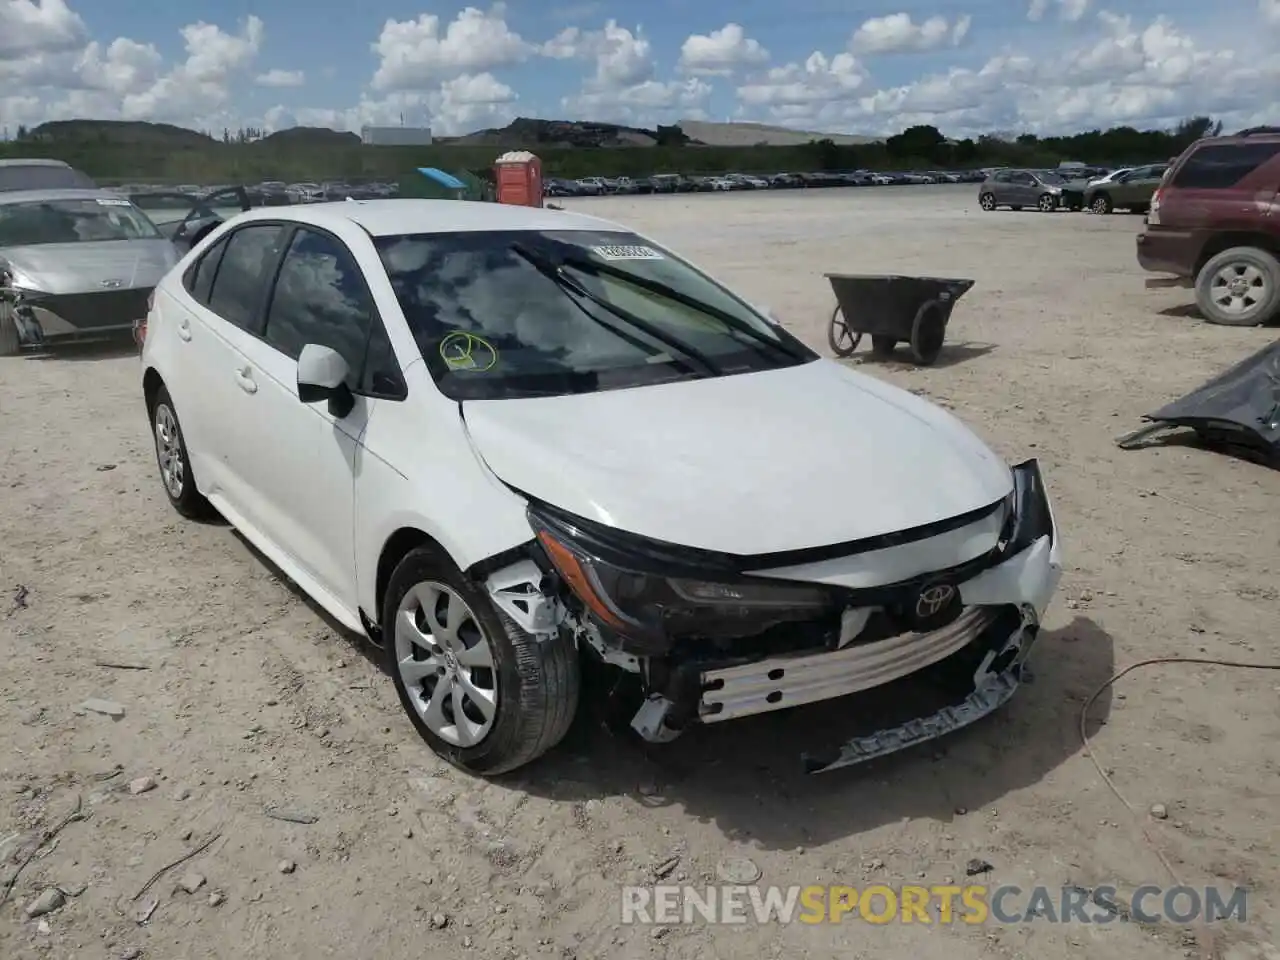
(446, 664)
(1101, 205)
(1239, 289)
(173, 470)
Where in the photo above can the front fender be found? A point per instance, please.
(419, 472)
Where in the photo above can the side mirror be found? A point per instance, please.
(322, 375)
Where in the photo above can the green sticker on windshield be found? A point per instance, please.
(626, 253)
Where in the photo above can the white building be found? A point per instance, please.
(395, 136)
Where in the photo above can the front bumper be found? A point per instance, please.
(989, 642)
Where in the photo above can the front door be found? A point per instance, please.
(303, 460)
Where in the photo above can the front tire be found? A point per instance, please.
(1239, 287)
(987, 202)
(485, 696)
(1101, 204)
(174, 463)
(1047, 203)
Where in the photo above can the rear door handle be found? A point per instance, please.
(244, 377)
(184, 329)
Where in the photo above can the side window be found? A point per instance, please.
(237, 288)
(1001, 177)
(382, 376)
(320, 297)
(1218, 167)
(199, 278)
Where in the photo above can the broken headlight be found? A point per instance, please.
(1027, 515)
(650, 592)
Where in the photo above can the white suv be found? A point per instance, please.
(504, 442)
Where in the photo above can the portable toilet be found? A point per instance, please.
(519, 178)
(428, 183)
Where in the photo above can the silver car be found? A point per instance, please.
(77, 263)
(1016, 189)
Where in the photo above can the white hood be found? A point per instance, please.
(754, 463)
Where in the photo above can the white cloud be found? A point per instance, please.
(31, 27)
(415, 53)
(816, 81)
(722, 52)
(122, 79)
(1071, 11)
(622, 86)
(898, 33)
(1270, 11)
(281, 78)
(1122, 72)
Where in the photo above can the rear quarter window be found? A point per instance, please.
(1222, 166)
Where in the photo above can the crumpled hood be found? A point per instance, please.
(754, 463)
(60, 268)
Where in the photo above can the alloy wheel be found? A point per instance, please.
(987, 201)
(1239, 289)
(173, 470)
(1047, 203)
(446, 663)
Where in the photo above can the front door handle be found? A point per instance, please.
(184, 330)
(244, 377)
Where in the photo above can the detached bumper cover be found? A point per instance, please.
(1003, 606)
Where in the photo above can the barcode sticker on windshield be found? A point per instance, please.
(626, 253)
(112, 202)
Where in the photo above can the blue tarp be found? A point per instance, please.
(447, 180)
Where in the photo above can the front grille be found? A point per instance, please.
(95, 311)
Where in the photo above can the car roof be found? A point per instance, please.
(33, 162)
(57, 193)
(383, 218)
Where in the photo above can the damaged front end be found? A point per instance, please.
(714, 637)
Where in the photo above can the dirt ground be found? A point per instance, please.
(250, 701)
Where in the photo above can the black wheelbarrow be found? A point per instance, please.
(891, 309)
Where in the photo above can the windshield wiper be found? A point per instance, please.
(735, 324)
(552, 271)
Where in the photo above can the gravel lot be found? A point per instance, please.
(250, 701)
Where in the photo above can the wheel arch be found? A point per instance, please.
(151, 384)
(1235, 238)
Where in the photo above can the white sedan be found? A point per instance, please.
(520, 448)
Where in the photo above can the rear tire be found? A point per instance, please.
(928, 332)
(10, 345)
(173, 460)
(1239, 287)
(533, 683)
(1101, 204)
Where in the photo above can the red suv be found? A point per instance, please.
(1215, 225)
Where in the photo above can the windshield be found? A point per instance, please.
(535, 313)
(73, 221)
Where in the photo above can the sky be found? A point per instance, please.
(841, 66)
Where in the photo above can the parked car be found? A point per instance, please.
(547, 523)
(593, 186)
(83, 263)
(1016, 189)
(38, 174)
(1074, 190)
(1214, 224)
(1131, 191)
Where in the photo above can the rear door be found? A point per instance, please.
(301, 460)
(225, 326)
(1231, 185)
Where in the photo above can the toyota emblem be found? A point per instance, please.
(111, 284)
(934, 599)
